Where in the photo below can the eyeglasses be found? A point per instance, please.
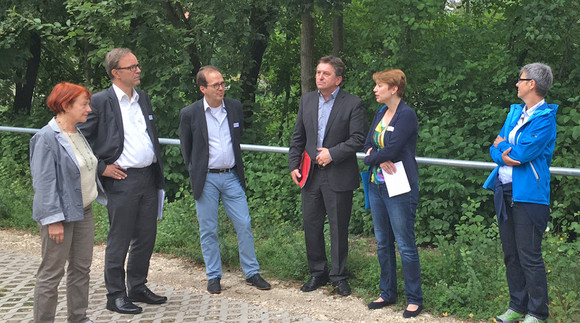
(131, 68)
(521, 80)
(217, 86)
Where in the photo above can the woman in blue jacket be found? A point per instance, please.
(65, 184)
(523, 150)
(392, 138)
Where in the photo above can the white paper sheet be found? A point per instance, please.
(397, 183)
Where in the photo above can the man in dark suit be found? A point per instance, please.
(123, 136)
(210, 131)
(331, 129)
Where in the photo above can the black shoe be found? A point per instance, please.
(213, 286)
(314, 283)
(147, 296)
(342, 287)
(408, 314)
(123, 305)
(378, 305)
(259, 282)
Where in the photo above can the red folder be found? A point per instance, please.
(305, 165)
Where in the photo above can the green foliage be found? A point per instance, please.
(283, 253)
(15, 183)
(461, 66)
(563, 270)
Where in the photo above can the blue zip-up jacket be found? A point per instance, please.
(535, 142)
(56, 178)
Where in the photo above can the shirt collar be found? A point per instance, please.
(206, 105)
(531, 110)
(332, 95)
(120, 94)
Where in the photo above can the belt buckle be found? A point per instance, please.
(224, 170)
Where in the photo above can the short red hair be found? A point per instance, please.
(64, 94)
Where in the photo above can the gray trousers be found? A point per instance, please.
(77, 249)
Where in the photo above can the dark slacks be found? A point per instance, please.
(132, 205)
(522, 247)
(318, 200)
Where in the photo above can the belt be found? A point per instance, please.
(219, 170)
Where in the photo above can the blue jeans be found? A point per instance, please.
(521, 242)
(394, 219)
(227, 187)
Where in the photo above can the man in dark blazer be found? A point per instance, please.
(331, 128)
(122, 133)
(210, 131)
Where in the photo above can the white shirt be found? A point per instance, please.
(505, 172)
(137, 147)
(221, 149)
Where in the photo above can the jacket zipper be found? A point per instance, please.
(535, 172)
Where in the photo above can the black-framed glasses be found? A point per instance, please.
(131, 68)
(217, 86)
(521, 80)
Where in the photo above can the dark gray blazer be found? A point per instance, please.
(104, 130)
(345, 135)
(195, 145)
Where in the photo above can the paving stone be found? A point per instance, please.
(18, 274)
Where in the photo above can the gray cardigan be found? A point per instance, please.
(56, 178)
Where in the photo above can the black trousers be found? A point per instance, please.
(132, 205)
(319, 200)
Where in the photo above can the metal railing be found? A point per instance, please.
(284, 150)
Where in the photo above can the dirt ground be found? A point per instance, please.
(284, 296)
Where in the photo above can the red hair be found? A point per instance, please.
(64, 94)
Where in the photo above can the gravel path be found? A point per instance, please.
(181, 274)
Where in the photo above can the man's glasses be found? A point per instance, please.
(131, 68)
(521, 80)
(217, 86)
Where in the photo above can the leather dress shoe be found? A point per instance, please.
(314, 283)
(378, 305)
(408, 314)
(342, 287)
(259, 282)
(147, 296)
(213, 286)
(123, 305)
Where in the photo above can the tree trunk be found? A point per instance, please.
(338, 32)
(25, 91)
(260, 19)
(307, 68)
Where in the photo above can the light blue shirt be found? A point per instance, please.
(221, 150)
(505, 172)
(324, 110)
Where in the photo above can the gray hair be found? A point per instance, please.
(336, 62)
(542, 74)
(113, 57)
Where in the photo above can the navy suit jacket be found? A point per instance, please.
(400, 141)
(344, 137)
(195, 144)
(105, 133)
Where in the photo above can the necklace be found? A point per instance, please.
(86, 159)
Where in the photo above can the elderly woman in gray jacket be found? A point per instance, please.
(65, 184)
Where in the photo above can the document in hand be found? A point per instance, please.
(161, 199)
(397, 183)
(305, 165)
